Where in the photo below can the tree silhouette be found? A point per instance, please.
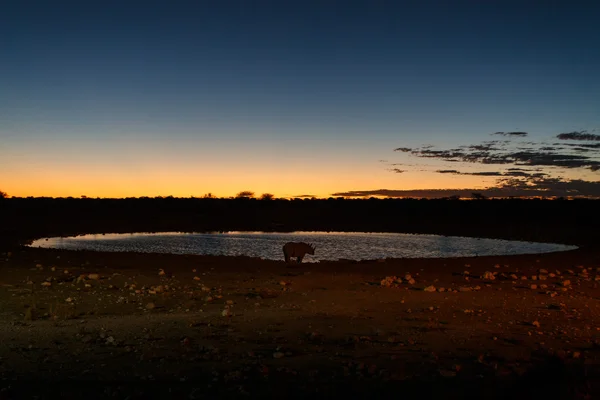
(267, 196)
(478, 196)
(246, 194)
(3, 195)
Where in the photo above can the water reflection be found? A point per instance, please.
(330, 245)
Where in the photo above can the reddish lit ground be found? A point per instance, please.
(244, 327)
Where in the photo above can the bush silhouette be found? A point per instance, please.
(244, 194)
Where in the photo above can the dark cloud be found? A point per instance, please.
(397, 170)
(304, 196)
(485, 173)
(548, 187)
(521, 134)
(483, 147)
(531, 165)
(524, 157)
(578, 135)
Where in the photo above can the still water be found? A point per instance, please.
(329, 245)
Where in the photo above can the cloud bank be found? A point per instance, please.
(521, 168)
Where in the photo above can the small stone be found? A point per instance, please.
(46, 284)
(150, 306)
(533, 287)
(566, 283)
(94, 277)
(196, 278)
(430, 288)
(536, 324)
(487, 275)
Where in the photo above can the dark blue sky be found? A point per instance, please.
(343, 82)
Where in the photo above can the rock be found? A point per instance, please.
(196, 278)
(533, 287)
(226, 312)
(94, 277)
(430, 288)
(487, 275)
(150, 306)
(536, 324)
(46, 284)
(161, 272)
(566, 283)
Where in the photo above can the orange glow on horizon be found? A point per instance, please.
(179, 182)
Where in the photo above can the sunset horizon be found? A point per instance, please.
(304, 99)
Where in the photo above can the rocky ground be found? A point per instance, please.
(127, 325)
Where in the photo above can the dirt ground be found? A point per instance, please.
(127, 325)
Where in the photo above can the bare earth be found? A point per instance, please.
(113, 325)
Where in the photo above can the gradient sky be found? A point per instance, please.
(123, 98)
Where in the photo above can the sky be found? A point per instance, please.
(157, 98)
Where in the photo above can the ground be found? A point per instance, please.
(149, 325)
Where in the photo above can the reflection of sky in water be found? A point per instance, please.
(330, 246)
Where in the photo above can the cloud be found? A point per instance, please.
(524, 168)
(453, 171)
(578, 135)
(520, 134)
(398, 170)
(527, 156)
(547, 187)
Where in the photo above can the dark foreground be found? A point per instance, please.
(137, 326)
